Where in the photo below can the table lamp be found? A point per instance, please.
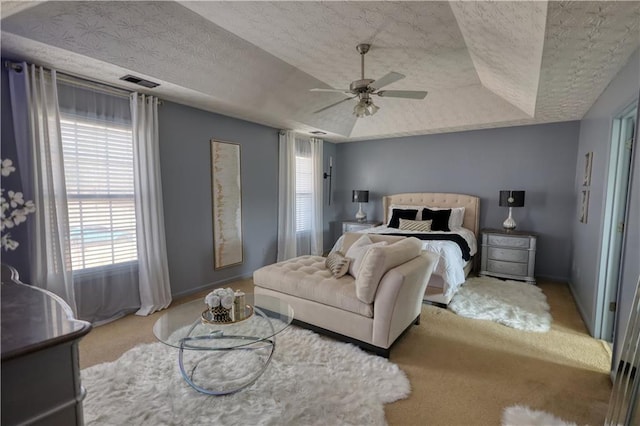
(511, 199)
(360, 197)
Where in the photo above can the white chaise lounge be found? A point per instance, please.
(372, 310)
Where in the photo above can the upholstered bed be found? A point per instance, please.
(451, 270)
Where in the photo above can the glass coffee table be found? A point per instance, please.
(221, 358)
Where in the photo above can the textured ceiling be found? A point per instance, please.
(484, 64)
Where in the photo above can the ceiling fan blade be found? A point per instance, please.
(409, 94)
(334, 104)
(386, 80)
(347, 91)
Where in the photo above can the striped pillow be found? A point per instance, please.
(415, 225)
(337, 264)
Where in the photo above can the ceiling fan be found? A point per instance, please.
(364, 88)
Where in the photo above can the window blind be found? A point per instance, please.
(303, 193)
(98, 161)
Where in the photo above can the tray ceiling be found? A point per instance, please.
(484, 64)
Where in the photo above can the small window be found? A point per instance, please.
(303, 193)
(98, 161)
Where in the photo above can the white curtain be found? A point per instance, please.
(51, 264)
(300, 225)
(155, 289)
(287, 196)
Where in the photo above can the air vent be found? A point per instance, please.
(318, 132)
(139, 81)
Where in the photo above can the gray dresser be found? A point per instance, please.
(40, 368)
(508, 254)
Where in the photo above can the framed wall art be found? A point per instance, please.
(588, 161)
(226, 190)
(584, 207)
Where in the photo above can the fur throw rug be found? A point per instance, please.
(311, 380)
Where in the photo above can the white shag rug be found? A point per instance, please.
(310, 381)
(519, 415)
(512, 303)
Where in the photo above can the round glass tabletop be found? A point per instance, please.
(270, 316)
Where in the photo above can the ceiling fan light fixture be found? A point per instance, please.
(364, 108)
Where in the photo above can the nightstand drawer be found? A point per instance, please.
(510, 241)
(507, 267)
(352, 227)
(508, 255)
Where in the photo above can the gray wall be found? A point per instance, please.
(538, 159)
(185, 158)
(595, 136)
(329, 212)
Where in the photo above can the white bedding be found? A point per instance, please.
(450, 266)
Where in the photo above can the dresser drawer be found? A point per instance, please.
(509, 255)
(507, 267)
(516, 242)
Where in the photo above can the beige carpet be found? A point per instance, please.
(462, 371)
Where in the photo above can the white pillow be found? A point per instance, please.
(456, 218)
(379, 260)
(358, 250)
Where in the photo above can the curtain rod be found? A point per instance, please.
(81, 81)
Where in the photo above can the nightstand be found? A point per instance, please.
(355, 226)
(508, 254)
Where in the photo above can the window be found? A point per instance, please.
(98, 161)
(303, 193)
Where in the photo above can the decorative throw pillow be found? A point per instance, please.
(401, 214)
(457, 216)
(357, 251)
(379, 260)
(440, 219)
(405, 207)
(415, 225)
(337, 264)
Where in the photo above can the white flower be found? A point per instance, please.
(227, 301)
(29, 207)
(18, 216)
(16, 199)
(13, 209)
(7, 243)
(7, 167)
(212, 300)
(6, 223)
(220, 296)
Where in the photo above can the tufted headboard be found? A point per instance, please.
(470, 203)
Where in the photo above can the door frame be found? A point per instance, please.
(612, 238)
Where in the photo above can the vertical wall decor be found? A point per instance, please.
(588, 160)
(584, 208)
(586, 182)
(227, 204)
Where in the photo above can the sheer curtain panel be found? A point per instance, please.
(50, 246)
(155, 289)
(287, 196)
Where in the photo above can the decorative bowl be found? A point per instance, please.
(220, 315)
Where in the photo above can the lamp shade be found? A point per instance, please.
(511, 198)
(360, 196)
